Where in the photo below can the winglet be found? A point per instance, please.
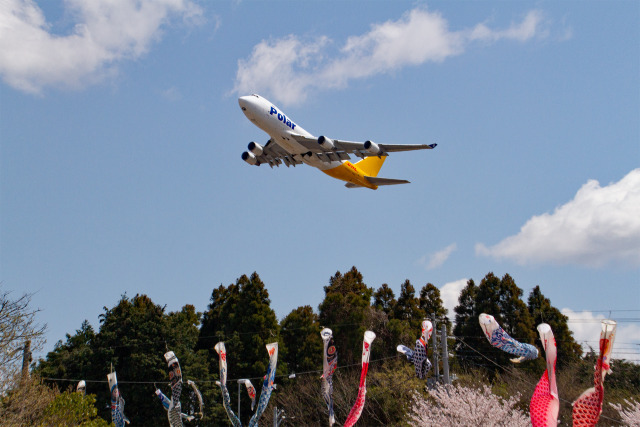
(432, 145)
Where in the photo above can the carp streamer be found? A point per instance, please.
(588, 407)
(226, 401)
(251, 391)
(329, 365)
(356, 411)
(418, 356)
(267, 384)
(173, 406)
(117, 402)
(500, 339)
(544, 405)
(195, 395)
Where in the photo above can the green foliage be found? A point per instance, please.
(346, 310)
(384, 299)
(502, 299)
(300, 333)
(543, 312)
(136, 332)
(431, 302)
(408, 306)
(72, 359)
(72, 409)
(241, 316)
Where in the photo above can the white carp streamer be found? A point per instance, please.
(117, 402)
(267, 384)
(418, 356)
(588, 407)
(329, 365)
(356, 411)
(500, 339)
(251, 391)
(226, 401)
(544, 405)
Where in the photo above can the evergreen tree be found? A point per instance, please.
(464, 331)
(384, 299)
(542, 311)
(502, 299)
(72, 359)
(346, 310)
(407, 307)
(132, 340)
(300, 333)
(431, 302)
(241, 316)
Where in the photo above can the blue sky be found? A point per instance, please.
(121, 138)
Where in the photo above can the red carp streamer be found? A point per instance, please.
(356, 411)
(544, 405)
(588, 407)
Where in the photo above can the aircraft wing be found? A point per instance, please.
(274, 155)
(340, 148)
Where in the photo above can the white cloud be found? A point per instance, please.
(288, 68)
(585, 326)
(436, 259)
(450, 293)
(600, 224)
(32, 58)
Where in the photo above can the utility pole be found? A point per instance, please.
(445, 355)
(26, 359)
(434, 337)
(240, 382)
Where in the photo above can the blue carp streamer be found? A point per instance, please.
(419, 355)
(267, 384)
(226, 400)
(329, 364)
(500, 339)
(117, 402)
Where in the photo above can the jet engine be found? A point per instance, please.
(249, 158)
(325, 142)
(255, 148)
(372, 147)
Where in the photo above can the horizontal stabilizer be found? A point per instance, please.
(385, 181)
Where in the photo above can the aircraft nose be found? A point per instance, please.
(244, 102)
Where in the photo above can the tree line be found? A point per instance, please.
(133, 335)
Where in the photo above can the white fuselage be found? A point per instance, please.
(280, 127)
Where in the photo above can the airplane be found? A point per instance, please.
(292, 145)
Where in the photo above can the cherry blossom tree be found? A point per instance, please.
(631, 415)
(457, 405)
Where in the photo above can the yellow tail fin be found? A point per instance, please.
(371, 165)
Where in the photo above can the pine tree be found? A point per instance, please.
(132, 339)
(71, 359)
(407, 307)
(431, 302)
(501, 299)
(384, 299)
(542, 311)
(464, 330)
(300, 333)
(346, 310)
